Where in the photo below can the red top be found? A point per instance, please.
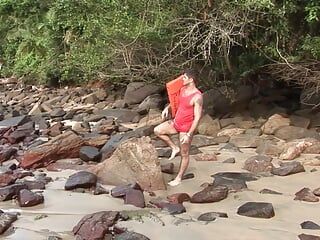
(185, 114)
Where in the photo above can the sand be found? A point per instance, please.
(64, 209)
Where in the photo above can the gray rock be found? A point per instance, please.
(26, 198)
(81, 179)
(211, 216)
(309, 225)
(230, 147)
(268, 191)
(6, 219)
(305, 194)
(256, 210)
(134, 197)
(130, 236)
(245, 141)
(14, 122)
(89, 153)
(291, 133)
(210, 194)
(136, 92)
(229, 160)
(288, 168)
(308, 237)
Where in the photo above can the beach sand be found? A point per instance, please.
(64, 209)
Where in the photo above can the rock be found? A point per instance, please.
(211, 216)
(31, 185)
(88, 153)
(6, 219)
(305, 194)
(121, 191)
(9, 192)
(222, 139)
(268, 148)
(205, 157)
(73, 163)
(256, 210)
(172, 208)
(155, 101)
(96, 225)
(167, 168)
(178, 198)
(81, 179)
(120, 115)
(26, 198)
(291, 133)
(135, 197)
(230, 147)
(234, 181)
(245, 141)
(130, 236)
(313, 149)
(210, 194)
(309, 225)
(208, 126)
(258, 164)
(187, 176)
(254, 132)
(58, 112)
(268, 191)
(299, 121)
(13, 122)
(55, 130)
(294, 149)
(308, 237)
(7, 179)
(317, 192)
(117, 139)
(135, 160)
(274, 122)
(203, 141)
(66, 145)
(288, 168)
(120, 103)
(100, 190)
(229, 160)
(136, 92)
(231, 132)
(7, 153)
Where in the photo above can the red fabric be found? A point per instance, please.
(185, 114)
(173, 89)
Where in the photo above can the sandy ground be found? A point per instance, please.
(65, 209)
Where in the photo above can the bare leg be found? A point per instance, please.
(162, 131)
(184, 162)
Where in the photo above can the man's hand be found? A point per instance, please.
(165, 112)
(185, 139)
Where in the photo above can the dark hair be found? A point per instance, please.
(191, 73)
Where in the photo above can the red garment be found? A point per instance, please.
(185, 113)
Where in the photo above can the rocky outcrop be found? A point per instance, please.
(135, 160)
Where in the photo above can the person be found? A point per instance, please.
(185, 122)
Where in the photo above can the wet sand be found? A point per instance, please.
(64, 209)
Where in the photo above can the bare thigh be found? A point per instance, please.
(184, 148)
(166, 128)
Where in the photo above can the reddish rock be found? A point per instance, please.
(27, 198)
(256, 210)
(66, 145)
(7, 179)
(135, 197)
(96, 225)
(179, 198)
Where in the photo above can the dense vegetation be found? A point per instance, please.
(72, 41)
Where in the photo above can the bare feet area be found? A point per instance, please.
(76, 159)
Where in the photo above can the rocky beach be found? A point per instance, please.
(83, 163)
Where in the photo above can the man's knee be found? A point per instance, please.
(184, 152)
(157, 131)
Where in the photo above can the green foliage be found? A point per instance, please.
(76, 41)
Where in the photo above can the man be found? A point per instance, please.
(185, 122)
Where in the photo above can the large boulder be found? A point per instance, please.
(208, 126)
(66, 145)
(135, 160)
(274, 122)
(292, 132)
(136, 92)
